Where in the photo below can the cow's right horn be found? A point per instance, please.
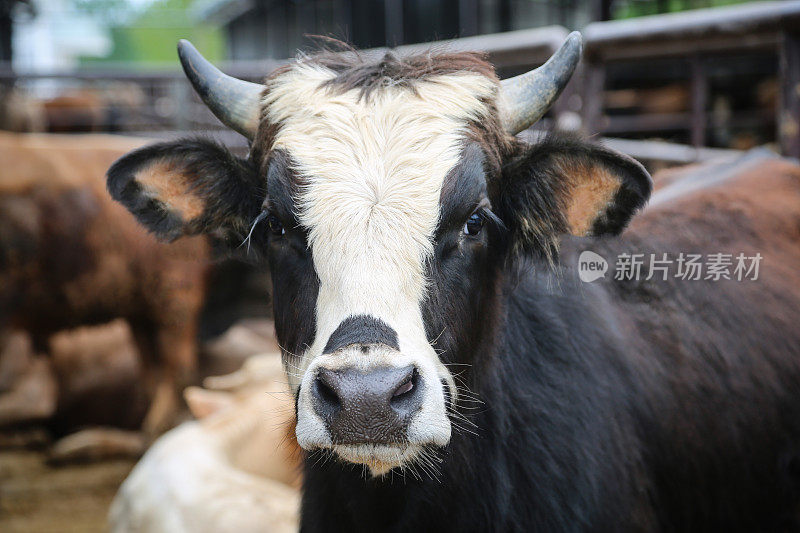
(235, 102)
(527, 97)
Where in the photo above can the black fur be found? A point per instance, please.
(547, 453)
(591, 419)
(295, 284)
(361, 329)
(547, 449)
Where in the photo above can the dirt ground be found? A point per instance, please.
(38, 498)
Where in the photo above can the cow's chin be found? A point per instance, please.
(379, 458)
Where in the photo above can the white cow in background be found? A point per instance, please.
(235, 469)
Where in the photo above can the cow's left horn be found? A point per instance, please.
(527, 97)
(234, 102)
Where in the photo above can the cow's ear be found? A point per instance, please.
(567, 186)
(187, 187)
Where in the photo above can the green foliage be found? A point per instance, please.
(150, 36)
(106, 10)
(637, 8)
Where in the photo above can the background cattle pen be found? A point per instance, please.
(668, 89)
(686, 78)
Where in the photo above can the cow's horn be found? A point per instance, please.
(527, 97)
(234, 102)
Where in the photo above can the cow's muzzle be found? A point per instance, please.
(372, 407)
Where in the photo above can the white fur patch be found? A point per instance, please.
(372, 172)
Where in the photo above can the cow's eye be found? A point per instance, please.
(474, 224)
(275, 226)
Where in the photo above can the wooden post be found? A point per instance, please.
(343, 20)
(789, 112)
(699, 99)
(181, 94)
(601, 10)
(504, 15)
(592, 105)
(393, 15)
(6, 29)
(570, 101)
(605, 9)
(468, 18)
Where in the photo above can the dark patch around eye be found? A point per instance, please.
(295, 284)
(280, 189)
(275, 226)
(463, 190)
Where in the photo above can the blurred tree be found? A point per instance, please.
(149, 35)
(111, 12)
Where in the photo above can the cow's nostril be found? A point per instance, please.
(407, 386)
(326, 394)
(402, 389)
(407, 397)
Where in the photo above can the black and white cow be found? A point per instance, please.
(449, 373)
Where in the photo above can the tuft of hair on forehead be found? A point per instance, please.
(367, 73)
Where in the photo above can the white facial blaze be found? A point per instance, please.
(372, 172)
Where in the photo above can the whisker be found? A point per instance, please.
(287, 351)
(258, 219)
(437, 337)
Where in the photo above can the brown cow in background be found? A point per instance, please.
(70, 256)
(106, 107)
